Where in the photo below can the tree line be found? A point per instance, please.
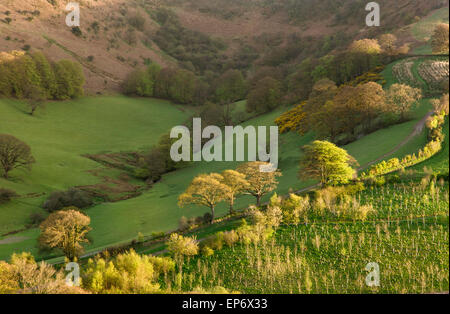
(34, 77)
(342, 114)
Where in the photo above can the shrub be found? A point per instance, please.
(77, 31)
(215, 241)
(230, 237)
(141, 173)
(443, 176)
(138, 83)
(183, 224)
(158, 235)
(295, 209)
(207, 218)
(130, 37)
(137, 21)
(375, 181)
(6, 195)
(182, 246)
(359, 212)
(72, 197)
(35, 219)
(162, 265)
(207, 251)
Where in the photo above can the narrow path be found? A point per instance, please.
(418, 128)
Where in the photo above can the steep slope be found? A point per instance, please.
(119, 35)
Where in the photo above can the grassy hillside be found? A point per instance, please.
(155, 210)
(440, 162)
(423, 29)
(61, 134)
(111, 44)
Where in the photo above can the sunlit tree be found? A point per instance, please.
(325, 161)
(401, 98)
(236, 183)
(260, 183)
(205, 190)
(66, 230)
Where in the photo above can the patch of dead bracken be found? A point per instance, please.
(118, 188)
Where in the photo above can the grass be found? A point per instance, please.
(330, 257)
(295, 262)
(423, 29)
(384, 141)
(439, 162)
(388, 74)
(105, 125)
(61, 133)
(423, 50)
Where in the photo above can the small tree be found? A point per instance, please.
(388, 43)
(439, 39)
(14, 154)
(325, 161)
(440, 106)
(35, 98)
(236, 183)
(181, 246)
(402, 97)
(66, 230)
(259, 183)
(206, 190)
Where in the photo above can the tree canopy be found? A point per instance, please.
(66, 230)
(259, 183)
(325, 161)
(14, 154)
(205, 190)
(439, 39)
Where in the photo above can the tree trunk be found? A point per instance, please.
(258, 200)
(231, 207)
(212, 214)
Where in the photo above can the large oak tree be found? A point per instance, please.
(14, 154)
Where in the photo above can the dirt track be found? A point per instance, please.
(418, 128)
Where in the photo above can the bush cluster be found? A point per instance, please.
(72, 197)
(6, 195)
